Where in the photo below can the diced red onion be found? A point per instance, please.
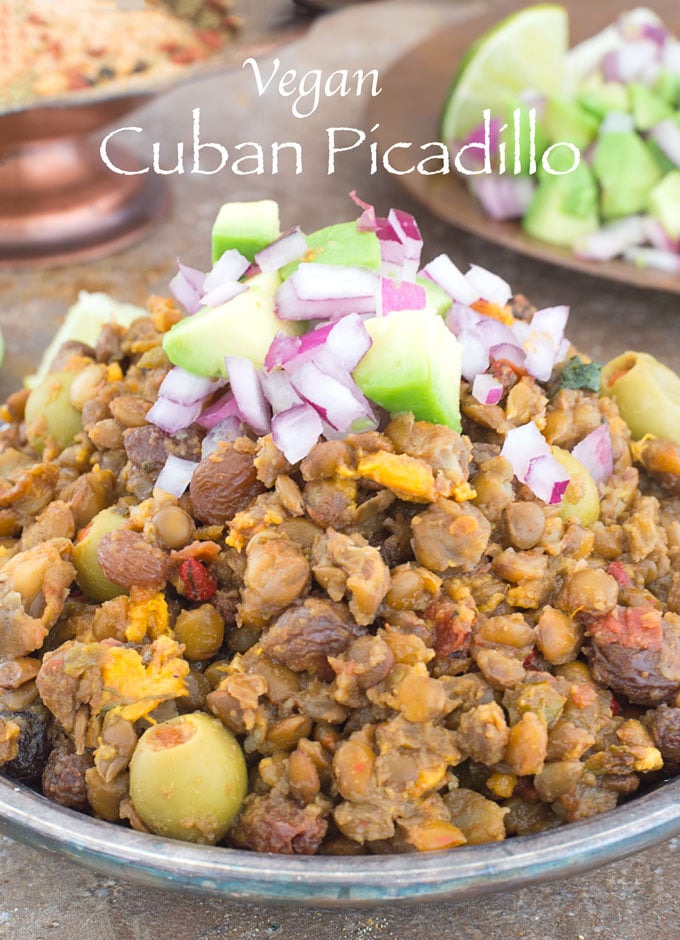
(326, 291)
(490, 286)
(229, 267)
(171, 417)
(487, 389)
(547, 478)
(409, 235)
(508, 352)
(187, 287)
(278, 390)
(657, 235)
(185, 388)
(475, 354)
(332, 399)
(667, 136)
(546, 332)
(503, 197)
(288, 247)
(225, 407)
(403, 296)
(461, 317)
(478, 136)
(347, 341)
(666, 261)
(595, 453)
(446, 275)
(617, 122)
(222, 293)
(176, 475)
(227, 430)
(612, 239)
(248, 393)
(670, 57)
(367, 219)
(628, 62)
(295, 431)
(642, 23)
(532, 462)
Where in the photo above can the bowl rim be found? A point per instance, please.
(340, 881)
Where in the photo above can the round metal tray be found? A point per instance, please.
(340, 881)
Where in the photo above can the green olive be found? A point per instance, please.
(581, 500)
(90, 577)
(49, 412)
(188, 778)
(647, 393)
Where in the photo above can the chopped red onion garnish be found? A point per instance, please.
(227, 430)
(503, 197)
(629, 61)
(224, 407)
(508, 352)
(332, 399)
(446, 275)
(187, 287)
(278, 390)
(595, 453)
(642, 23)
(185, 388)
(670, 57)
(667, 136)
(612, 239)
(347, 341)
(295, 431)
(543, 344)
(367, 220)
(326, 291)
(401, 296)
(657, 235)
(171, 417)
(229, 267)
(666, 261)
(478, 136)
(288, 247)
(488, 286)
(222, 293)
(248, 393)
(486, 389)
(547, 478)
(175, 476)
(532, 461)
(408, 233)
(475, 354)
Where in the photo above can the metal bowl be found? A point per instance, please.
(58, 201)
(340, 881)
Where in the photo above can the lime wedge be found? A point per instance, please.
(526, 51)
(83, 322)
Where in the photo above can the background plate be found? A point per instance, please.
(413, 95)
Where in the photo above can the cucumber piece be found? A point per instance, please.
(563, 208)
(626, 171)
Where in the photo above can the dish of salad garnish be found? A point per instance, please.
(612, 97)
(338, 549)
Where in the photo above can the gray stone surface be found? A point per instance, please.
(44, 898)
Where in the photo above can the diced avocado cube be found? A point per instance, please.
(664, 203)
(341, 244)
(435, 296)
(413, 365)
(667, 87)
(246, 226)
(648, 109)
(626, 171)
(600, 99)
(565, 120)
(243, 326)
(563, 208)
(664, 163)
